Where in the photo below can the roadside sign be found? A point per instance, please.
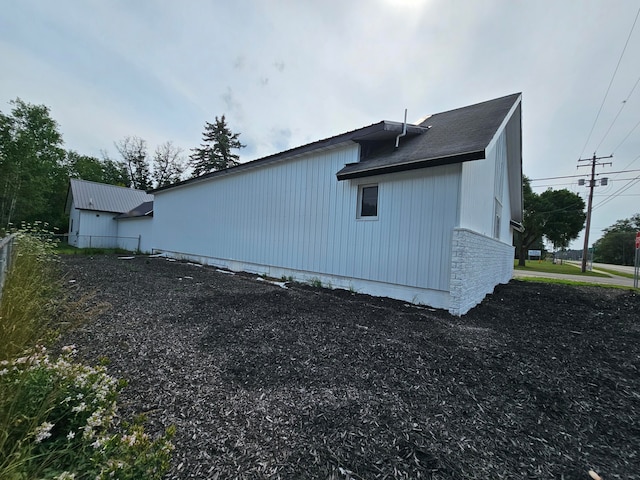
(637, 239)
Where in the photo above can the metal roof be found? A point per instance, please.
(104, 198)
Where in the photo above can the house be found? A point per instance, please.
(424, 213)
(108, 216)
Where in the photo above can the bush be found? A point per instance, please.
(58, 417)
(58, 420)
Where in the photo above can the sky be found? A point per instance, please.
(285, 73)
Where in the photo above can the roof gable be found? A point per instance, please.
(101, 197)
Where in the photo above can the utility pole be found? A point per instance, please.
(592, 183)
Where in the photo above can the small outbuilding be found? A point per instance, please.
(423, 213)
(94, 209)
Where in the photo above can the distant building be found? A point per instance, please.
(94, 209)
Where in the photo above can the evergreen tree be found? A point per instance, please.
(215, 151)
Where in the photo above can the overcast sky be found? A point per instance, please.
(286, 73)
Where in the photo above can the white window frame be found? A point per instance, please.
(359, 215)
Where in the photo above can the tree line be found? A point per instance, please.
(35, 167)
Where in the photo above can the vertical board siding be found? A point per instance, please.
(297, 215)
(476, 212)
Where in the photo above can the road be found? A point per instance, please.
(611, 280)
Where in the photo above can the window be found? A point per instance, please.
(368, 201)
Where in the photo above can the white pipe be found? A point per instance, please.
(404, 129)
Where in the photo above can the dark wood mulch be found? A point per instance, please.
(539, 381)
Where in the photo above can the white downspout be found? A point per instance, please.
(404, 129)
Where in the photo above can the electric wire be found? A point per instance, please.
(624, 104)
(610, 83)
(625, 138)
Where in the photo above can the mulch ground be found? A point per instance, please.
(539, 381)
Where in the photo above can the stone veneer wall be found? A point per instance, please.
(478, 264)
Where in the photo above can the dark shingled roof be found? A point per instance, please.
(452, 137)
(143, 210)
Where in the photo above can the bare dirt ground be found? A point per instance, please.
(539, 381)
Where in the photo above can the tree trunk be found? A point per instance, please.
(522, 257)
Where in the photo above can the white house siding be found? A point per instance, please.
(135, 233)
(295, 218)
(95, 230)
(476, 195)
(478, 263)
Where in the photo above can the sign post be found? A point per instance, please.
(636, 264)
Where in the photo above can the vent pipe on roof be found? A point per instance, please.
(404, 129)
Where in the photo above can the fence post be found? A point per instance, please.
(6, 247)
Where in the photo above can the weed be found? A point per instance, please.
(315, 282)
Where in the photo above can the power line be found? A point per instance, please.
(624, 104)
(578, 176)
(625, 138)
(615, 194)
(609, 87)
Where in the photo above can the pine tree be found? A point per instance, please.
(215, 151)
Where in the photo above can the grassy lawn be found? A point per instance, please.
(615, 272)
(66, 249)
(548, 267)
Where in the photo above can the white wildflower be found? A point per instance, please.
(4, 371)
(71, 435)
(43, 431)
(69, 349)
(79, 408)
(65, 476)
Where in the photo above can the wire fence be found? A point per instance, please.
(6, 255)
(131, 244)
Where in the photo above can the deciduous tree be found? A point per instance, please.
(168, 165)
(617, 245)
(32, 173)
(557, 215)
(134, 154)
(564, 216)
(103, 170)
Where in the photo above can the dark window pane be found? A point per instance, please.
(369, 202)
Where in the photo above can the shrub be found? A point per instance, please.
(58, 419)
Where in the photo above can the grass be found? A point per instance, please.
(548, 267)
(57, 416)
(66, 249)
(560, 281)
(615, 272)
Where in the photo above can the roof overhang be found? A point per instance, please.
(361, 169)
